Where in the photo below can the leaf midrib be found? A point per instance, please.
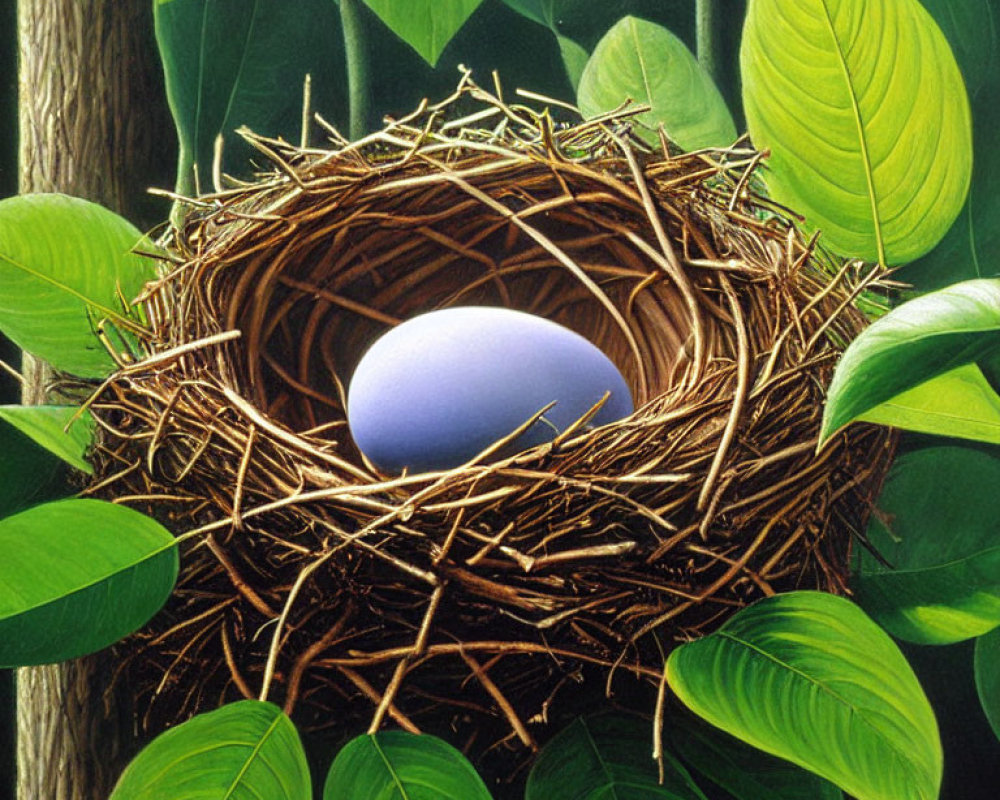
(862, 136)
(253, 755)
(858, 712)
(404, 795)
(132, 565)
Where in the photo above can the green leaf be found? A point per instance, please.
(607, 756)
(917, 341)
(987, 661)
(876, 153)
(642, 61)
(29, 474)
(395, 765)
(426, 25)
(808, 677)
(243, 751)
(972, 247)
(936, 525)
(233, 63)
(574, 59)
(743, 771)
(64, 264)
(959, 403)
(77, 576)
(46, 426)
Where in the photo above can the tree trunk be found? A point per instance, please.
(93, 123)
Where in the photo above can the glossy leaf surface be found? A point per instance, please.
(972, 247)
(243, 751)
(743, 771)
(645, 62)
(46, 426)
(987, 661)
(234, 63)
(426, 25)
(64, 265)
(936, 525)
(960, 403)
(913, 343)
(875, 153)
(808, 677)
(77, 576)
(607, 756)
(396, 765)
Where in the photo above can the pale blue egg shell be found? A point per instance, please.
(436, 390)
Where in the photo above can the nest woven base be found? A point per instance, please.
(480, 593)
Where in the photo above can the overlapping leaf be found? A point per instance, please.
(77, 576)
(875, 152)
(808, 677)
(913, 343)
(243, 751)
(605, 756)
(972, 247)
(426, 25)
(936, 526)
(46, 426)
(987, 665)
(29, 474)
(234, 63)
(396, 764)
(65, 264)
(960, 403)
(743, 771)
(645, 62)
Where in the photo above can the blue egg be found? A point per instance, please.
(438, 389)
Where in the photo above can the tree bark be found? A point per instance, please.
(93, 123)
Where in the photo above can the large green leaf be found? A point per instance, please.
(607, 756)
(426, 25)
(64, 264)
(29, 474)
(642, 61)
(233, 63)
(987, 662)
(808, 677)
(396, 765)
(972, 247)
(874, 151)
(46, 426)
(743, 771)
(936, 526)
(77, 576)
(243, 751)
(960, 403)
(913, 343)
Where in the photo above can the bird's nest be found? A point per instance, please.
(480, 591)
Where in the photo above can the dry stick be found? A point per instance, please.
(234, 671)
(676, 271)
(372, 694)
(237, 580)
(504, 704)
(661, 696)
(317, 647)
(739, 399)
(241, 475)
(419, 646)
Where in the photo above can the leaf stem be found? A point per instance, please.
(358, 76)
(708, 31)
